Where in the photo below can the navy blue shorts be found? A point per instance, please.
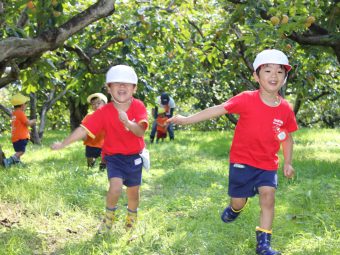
(20, 146)
(92, 152)
(244, 180)
(126, 167)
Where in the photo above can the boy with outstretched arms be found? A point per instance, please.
(265, 123)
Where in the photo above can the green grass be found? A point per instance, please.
(53, 205)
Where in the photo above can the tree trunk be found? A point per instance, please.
(42, 124)
(33, 115)
(77, 112)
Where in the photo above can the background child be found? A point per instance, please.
(265, 122)
(93, 146)
(124, 122)
(167, 104)
(20, 132)
(162, 125)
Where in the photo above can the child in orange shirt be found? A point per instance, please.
(93, 147)
(20, 132)
(162, 125)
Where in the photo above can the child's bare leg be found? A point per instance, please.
(114, 192)
(267, 202)
(133, 202)
(18, 154)
(133, 197)
(112, 197)
(264, 232)
(238, 203)
(91, 162)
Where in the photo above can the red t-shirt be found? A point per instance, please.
(255, 140)
(19, 126)
(96, 142)
(118, 140)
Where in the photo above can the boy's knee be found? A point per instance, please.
(116, 191)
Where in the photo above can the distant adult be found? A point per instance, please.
(168, 104)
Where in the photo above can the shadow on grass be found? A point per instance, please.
(20, 241)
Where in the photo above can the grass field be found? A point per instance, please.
(53, 204)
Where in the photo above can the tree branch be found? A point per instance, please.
(50, 40)
(6, 110)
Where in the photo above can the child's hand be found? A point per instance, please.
(177, 119)
(57, 146)
(288, 171)
(123, 117)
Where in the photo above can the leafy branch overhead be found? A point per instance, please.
(200, 51)
(25, 50)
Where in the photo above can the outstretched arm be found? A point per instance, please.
(78, 134)
(287, 147)
(209, 113)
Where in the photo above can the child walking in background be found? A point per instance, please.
(265, 123)
(124, 122)
(93, 146)
(20, 132)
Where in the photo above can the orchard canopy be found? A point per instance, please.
(200, 51)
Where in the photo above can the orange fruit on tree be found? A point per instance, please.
(30, 5)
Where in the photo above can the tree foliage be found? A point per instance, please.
(199, 51)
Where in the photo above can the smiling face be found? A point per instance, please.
(121, 92)
(271, 77)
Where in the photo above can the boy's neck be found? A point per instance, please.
(122, 106)
(271, 99)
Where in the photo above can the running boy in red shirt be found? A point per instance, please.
(20, 132)
(124, 122)
(93, 146)
(265, 123)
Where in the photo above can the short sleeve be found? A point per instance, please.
(235, 104)
(94, 123)
(141, 115)
(172, 103)
(291, 123)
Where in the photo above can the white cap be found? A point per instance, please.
(121, 73)
(271, 57)
(97, 95)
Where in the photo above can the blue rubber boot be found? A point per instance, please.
(230, 214)
(263, 238)
(7, 162)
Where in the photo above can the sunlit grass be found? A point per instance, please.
(53, 204)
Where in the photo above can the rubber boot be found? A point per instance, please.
(107, 221)
(230, 214)
(131, 219)
(7, 162)
(263, 238)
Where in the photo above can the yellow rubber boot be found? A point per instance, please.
(107, 221)
(131, 219)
